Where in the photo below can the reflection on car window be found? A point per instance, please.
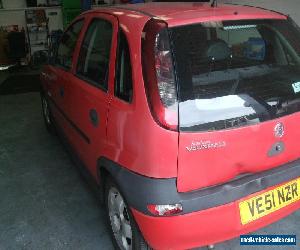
(253, 65)
(93, 62)
(67, 45)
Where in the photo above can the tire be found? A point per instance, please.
(123, 229)
(47, 115)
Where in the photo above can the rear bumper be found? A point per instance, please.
(141, 191)
(202, 228)
(209, 215)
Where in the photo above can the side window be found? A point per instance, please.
(67, 45)
(93, 62)
(123, 84)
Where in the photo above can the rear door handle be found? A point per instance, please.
(94, 119)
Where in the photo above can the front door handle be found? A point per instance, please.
(94, 119)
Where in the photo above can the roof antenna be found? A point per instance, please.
(214, 3)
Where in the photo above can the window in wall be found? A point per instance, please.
(93, 62)
(123, 84)
(67, 45)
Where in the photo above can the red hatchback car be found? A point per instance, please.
(186, 116)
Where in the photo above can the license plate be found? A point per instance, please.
(269, 202)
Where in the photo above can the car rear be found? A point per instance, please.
(231, 89)
(238, 99)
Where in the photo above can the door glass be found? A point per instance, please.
(123, 85)
(93, 62)
(67, 45)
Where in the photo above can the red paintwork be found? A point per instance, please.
(128, 134)
(203, 228)
(186, 13)
(131, 128)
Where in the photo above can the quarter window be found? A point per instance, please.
(93, 62)
(123, 85)
(67, 45)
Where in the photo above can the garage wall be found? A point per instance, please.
(290, 7)
(14, 3)
(19, 3)
(13, 13)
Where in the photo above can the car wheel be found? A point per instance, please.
(124, 231)
(47, 115)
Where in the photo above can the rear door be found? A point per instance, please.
(89, 89)
(239, 99)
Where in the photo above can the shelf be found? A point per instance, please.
(36, 25)
(39, 41)
(36, 33)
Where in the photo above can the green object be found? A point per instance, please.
(70, 9)
(71, 4)
(69, 15)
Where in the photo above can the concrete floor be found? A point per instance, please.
(44, 202)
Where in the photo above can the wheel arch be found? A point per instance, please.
(106, 168)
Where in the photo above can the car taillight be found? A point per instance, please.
(158, 71)
(165, 210)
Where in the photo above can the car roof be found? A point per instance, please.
(186, 13)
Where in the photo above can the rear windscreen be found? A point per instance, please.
(236, 73)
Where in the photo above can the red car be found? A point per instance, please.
(186, 115)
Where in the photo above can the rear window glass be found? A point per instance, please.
(236, 73)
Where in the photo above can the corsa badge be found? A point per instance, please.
(279, 130)
(202, 145)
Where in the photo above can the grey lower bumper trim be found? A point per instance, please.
(141, 191)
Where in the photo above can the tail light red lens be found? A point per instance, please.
(165, 210)
(158, 71)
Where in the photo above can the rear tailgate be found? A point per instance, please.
(239, 99)
(207, 159)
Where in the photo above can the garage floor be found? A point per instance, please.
(45, 203)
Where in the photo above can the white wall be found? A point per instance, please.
(13, 4)
(290, 7)
(12, 18)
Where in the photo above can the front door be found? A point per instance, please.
(57, 75)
